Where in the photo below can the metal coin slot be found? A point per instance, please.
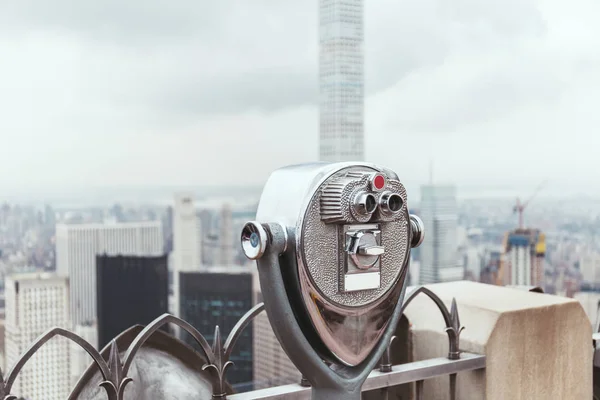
(363, 256)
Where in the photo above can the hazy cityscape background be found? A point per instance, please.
(136, 139)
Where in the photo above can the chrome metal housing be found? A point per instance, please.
(317, 205)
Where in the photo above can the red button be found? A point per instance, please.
(379, 182)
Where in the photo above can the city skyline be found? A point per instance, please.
(129, 98)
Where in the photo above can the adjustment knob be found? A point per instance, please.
(417, 231)
(254, 240)
(363, 248)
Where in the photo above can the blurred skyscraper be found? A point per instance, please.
(341, 80)
(523, 261)
(186, 234)
(226, 250)
(439, 256)
(34, 304)
(78, 245)
(131, 290)
(589, 265)
(221, 296)
(186, 243)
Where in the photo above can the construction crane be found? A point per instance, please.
(520, 207)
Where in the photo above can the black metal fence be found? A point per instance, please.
(115, 369)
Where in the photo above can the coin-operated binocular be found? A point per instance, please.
(332, 244)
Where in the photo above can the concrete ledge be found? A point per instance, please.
(538, 346)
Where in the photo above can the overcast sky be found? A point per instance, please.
(144, 92)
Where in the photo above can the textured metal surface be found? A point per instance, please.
(322, 253)
(303, 348)
(336, 199)
(348, 323)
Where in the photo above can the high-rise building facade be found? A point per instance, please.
(187, 242)
(226, 249)
(523, 260)
(130, 290)
(341, 80)
(77, 246)
(221, 296)
(589, 265)
(186, 234)
(34, 304)
(439, 251)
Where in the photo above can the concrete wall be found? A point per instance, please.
(538, 346)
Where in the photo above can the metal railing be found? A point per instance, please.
(416, 372)
(388, 375)
(596, 365)
(115, 370)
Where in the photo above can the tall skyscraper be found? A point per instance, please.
(186, 234)
(186, 242)
(131, 290)
(226, 250)
(34, 304)
(341, 80)
(439, 251)
(221, 296)
(78, 245)
(523, 261)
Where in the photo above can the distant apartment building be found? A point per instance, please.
(523, 260)
(221, 296)
(589, 266)
(271, 365)
(473, 259)
(77, 246)
(590, 301)
(226, 243)
(414, 272)
(439, 251)
(187, 242)
(491, 262)
(131, 290)
(34, 304)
